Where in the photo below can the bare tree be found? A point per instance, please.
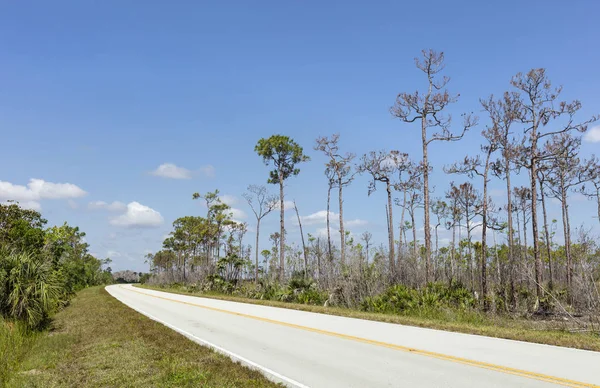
(366, 237)
(383, 166)
(563, 175)
(341, 168)
(304, 251)
(503, 113)
(409, 180)
(591, 173)
(264, 205)
(475, 166)
(538, 108)
(441, 211)
(428, 108)
(469, 200)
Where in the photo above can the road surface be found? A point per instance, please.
(302, 349)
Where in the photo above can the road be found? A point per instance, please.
(302, 349)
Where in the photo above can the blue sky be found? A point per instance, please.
(98, 94)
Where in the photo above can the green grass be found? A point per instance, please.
(15, 342)
(462, 321)
(99, 342)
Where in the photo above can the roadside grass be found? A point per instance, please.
(15, 342)
(99, 342)
(461, 321)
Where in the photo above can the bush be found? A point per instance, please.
(434, 296)
(29, 288)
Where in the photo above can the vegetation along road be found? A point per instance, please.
(304, 349)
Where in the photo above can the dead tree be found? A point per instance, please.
(261, 204)
(591, 174)
(428, 109)
(503, 113)
(469, 201)
(304, 250)
(382, 166)
(472, 166)
(538, 108)
(441, 210)
(563, 175)
(340, 168)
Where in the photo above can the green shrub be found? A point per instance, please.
(435, 296)
(30, 290)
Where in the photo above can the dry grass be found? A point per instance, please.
(462, 322)
(99, 342)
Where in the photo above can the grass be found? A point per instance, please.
(99, 342)
(470, 321)
(15, 342)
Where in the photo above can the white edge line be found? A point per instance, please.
(270, 374)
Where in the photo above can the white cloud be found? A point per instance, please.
(115, 206)
(320, 217)
(38, 189)
(228, 199)
(138, 216)
(72, 204)
(356, 222)
(208, 171)
(169, 170)
(592, 135)
(238, 214)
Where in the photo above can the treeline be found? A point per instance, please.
(42, 267)
(506, 256)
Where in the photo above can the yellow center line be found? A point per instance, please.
(460, 360)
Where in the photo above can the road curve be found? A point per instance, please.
(302, 349)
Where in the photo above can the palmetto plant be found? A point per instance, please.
(29, 288)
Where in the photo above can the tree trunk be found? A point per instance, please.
(342, 232)
(414, 233)
(330, 253)
(401, 229)
(534, 220)
(511, 236)
(469, 248)
(426, 199)
(256, 250)
(453, 251)
(303, 244)
(567, 233)
(484, 235)
(391, 228)
(546, 233)
(282, 231)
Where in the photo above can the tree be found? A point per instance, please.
(304, 250)
(591, 174)
(472, 166)
(264, 205)
(340, 167)
(503, 113)
(383, 166)
(366, 237)
(21, 229)
(469, 201)
(284, 154)
(538, 108)
(427, 108)
(563, 175)
(408, 181)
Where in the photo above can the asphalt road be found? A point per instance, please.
(303, 349)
